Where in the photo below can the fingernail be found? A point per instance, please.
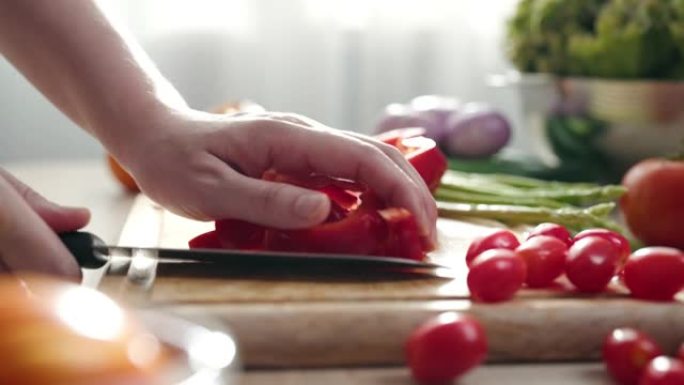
(310, 206)
(81, 211)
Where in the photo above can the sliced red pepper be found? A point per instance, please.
(423, 154)
(403, 238)
(208, 240)
(359, 221)
(237, 234)
(427, 159)
(361, 232)
(394, 137)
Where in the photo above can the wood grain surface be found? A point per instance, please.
(358, 318)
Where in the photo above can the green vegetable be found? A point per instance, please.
(551, 195)
(573, 218)
(624, 39)
(515, 199)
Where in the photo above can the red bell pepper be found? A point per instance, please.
(423, 153)
(359, 221)
(208, 240)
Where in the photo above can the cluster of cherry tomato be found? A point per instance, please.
(632, 357)
(447, 346)
(500, 265)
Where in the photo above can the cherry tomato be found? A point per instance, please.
(499, 239)
(592, 263)
(544, 257)
(653, 206)
(552, 230)
(663, 371)
(626, 352)
(618, 239)
(496, 275)
(445, 347)
(680, 352)
(655, 273)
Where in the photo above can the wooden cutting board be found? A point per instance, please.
(342, 319)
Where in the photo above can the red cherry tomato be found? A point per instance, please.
(618, 239)
(552, 230)
(655, 273)
(496, 275)
(663, 371)
(499, 239)
(653, 205)
(445, 347)
(626, 352)
(592, 263)
(544, 257)
(680, 352)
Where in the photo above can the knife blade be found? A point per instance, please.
(92, 253)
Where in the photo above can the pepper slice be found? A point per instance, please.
(423, 153)
(361, 232)
(208, 240)
(403, 236)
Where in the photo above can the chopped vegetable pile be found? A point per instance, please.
(360, 222)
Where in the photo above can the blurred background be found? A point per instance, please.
(554, 89)
(338, 61)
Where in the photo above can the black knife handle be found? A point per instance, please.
(82, 246)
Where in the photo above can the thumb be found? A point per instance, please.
(278, 205)
(59, 218)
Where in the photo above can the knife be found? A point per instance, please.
(92, 253)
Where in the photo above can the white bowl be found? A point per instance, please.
(643, 118)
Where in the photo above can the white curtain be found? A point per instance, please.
(338, 61)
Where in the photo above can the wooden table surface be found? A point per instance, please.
(88, 183)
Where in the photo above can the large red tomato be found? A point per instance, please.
(653, 205)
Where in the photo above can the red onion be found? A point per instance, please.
(402, 116)
(477, 131)
(438, 109)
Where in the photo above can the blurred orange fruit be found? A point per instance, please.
(121, 175)
(58, 333)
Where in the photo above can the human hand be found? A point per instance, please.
(28, 227)
(207, 166)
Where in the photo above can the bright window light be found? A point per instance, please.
(359, 14)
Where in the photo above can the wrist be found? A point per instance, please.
(128, 131)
